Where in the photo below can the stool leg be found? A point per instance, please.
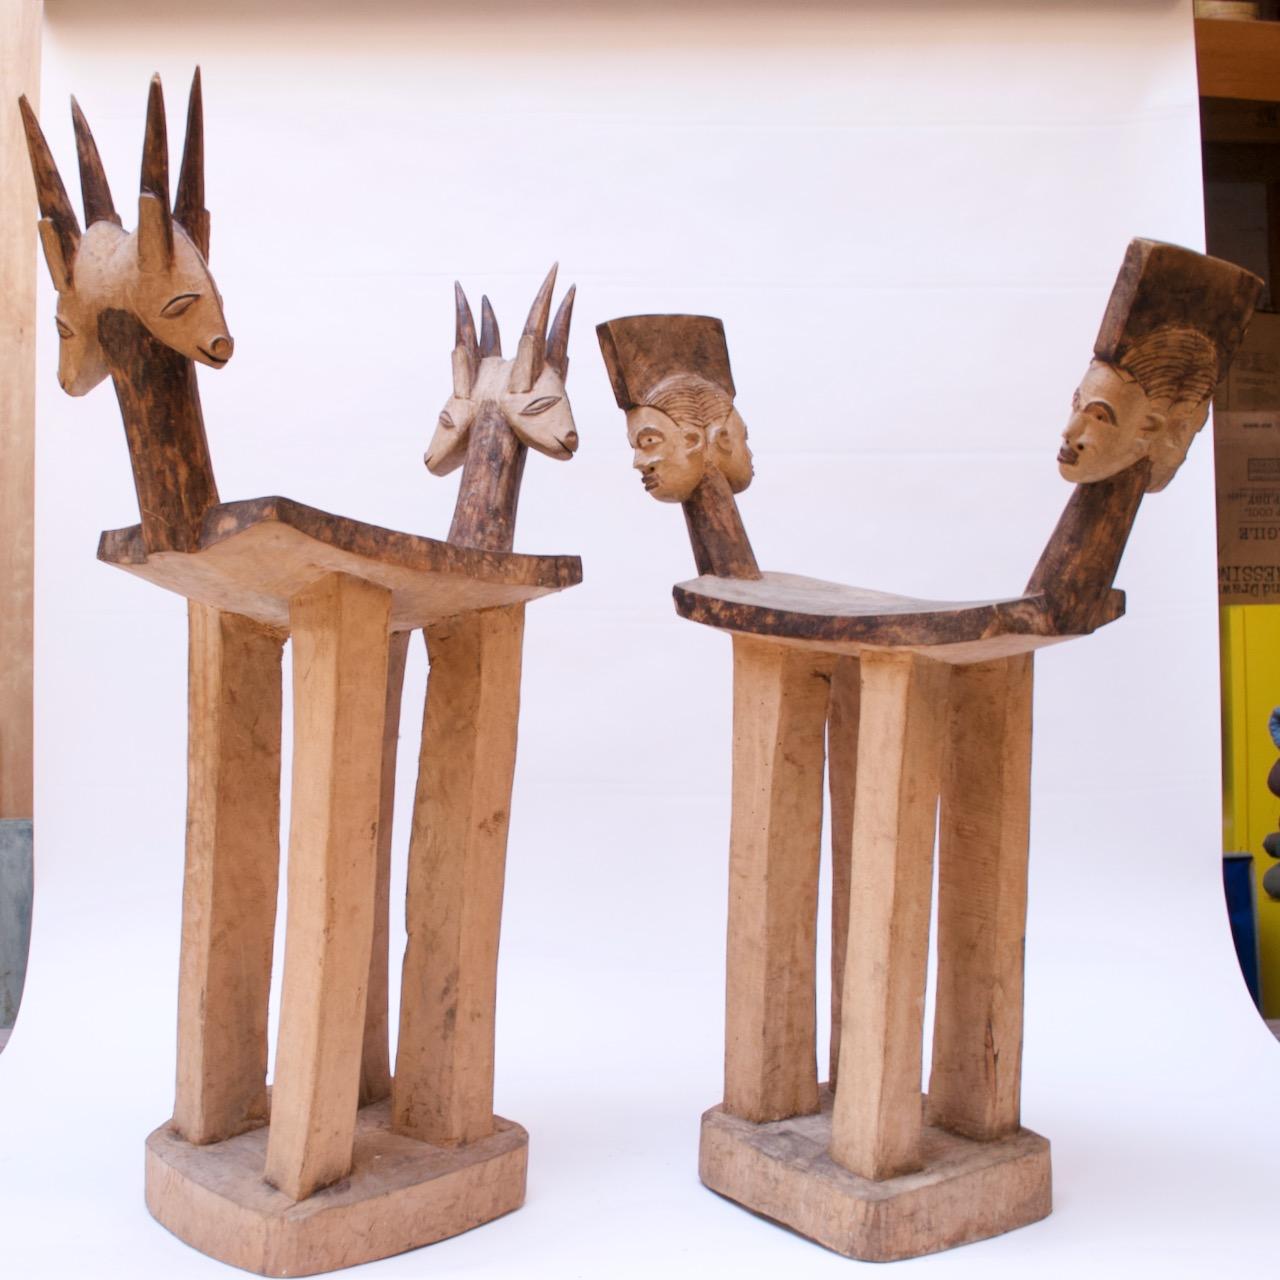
(877, 1116)
(232, 870)
(375, 1066)
(975, 1086)
(842, 770)
(443, 1087)
(780, 698)
(340, 647)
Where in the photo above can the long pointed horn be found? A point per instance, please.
(188, 207)
(490, 338)
(52, 195)
(155, 222)
(532, 354)
(558, 337)
(94, 191)
(466, 355)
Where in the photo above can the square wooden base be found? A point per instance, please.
(966, 1191)
(400, 1194)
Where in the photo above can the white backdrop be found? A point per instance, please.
(909, 216)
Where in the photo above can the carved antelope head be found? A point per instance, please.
(158, 272)
(528, 391)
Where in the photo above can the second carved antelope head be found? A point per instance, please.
(158, 273)
(499, 409)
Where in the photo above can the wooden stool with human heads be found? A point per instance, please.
(341, 1163)
(921, 712)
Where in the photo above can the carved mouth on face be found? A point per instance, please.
(649, 481)
(1067, 456)
(217, 361)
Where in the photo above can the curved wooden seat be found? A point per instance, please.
(254, 556)
(841, 619)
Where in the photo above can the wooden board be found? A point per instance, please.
(876, 1125)
(1238, 59)
(443, 1087)
(20, 22)
(232, 870)
(375, 1064)
(965, 1190)
(842, 772)
(340, 643)
(984, 828)
(256, 555)
(400, 1195)
(779, 716)
(833, 618)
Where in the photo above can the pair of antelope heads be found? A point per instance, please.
(157, 273)
(525, 395)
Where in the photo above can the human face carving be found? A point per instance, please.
(1112, 425)
(671, 459)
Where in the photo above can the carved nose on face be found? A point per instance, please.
(221, 347)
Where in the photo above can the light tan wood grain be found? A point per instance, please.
(340, 643)
(779, 716)
(232, 869)
(443, 1087)
(842, 772)
(20, 23)
(876, 1121)
(400, 1194)
(375, 1064)
(966, 1190)
(984, 827)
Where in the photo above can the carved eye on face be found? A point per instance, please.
(1101, 411)
(179, 305)
(64, 330)
(540, 405)
(649, 440)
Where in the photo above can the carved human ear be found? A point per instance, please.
(155, 235)
(59, 267)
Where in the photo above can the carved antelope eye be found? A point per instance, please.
(179, 305)
(446, 422)
(64, 330)
(540, 405)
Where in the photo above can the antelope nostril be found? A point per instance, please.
(570, 441)
(222, 347)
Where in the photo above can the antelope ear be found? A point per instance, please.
(59, 267)
(155, 234)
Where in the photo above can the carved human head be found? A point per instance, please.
(671, 375)
(157, 273)
(1173, 323)
(528, 391)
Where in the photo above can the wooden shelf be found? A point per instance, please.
(1238, 59)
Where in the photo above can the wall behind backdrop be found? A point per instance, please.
(909, 217)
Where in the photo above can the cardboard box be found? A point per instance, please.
(1246, 440)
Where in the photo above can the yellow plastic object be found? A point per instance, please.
(1250, 646)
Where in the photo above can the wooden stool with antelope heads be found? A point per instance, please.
(915, 701)
(339, 1163)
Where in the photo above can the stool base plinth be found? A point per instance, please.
(401, 1194)
(966, 1191)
